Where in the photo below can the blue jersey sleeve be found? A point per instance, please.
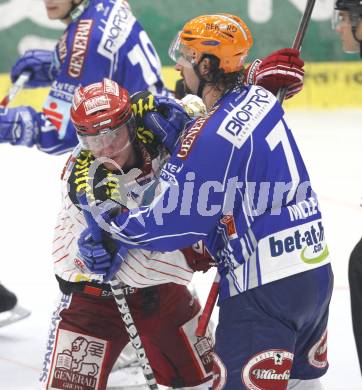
(192, 193)
(209, 176)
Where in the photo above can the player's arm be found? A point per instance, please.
(280, 69)
(190, 201)
(24, 126)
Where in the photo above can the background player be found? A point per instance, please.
(269, 334)
(348, 23)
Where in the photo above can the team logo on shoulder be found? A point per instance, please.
(78, 361)
(317, 355)
(219, 373)
(229, 223)
(267, 370)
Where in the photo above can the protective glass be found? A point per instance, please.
(181, 54)
(119, 137)
(340, 19)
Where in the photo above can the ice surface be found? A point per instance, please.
(331, 143)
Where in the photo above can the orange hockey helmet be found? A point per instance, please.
(225, 36)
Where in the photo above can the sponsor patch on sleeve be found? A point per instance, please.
(242, 120)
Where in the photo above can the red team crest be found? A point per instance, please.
(269, 370)
(219, 373)
(317, 355)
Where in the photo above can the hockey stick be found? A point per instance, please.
(209, 307)
(299, 36)
(15, 88)
(214, 291)
(121, 302)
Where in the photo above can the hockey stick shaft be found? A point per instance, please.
(119, 297)
(208, 309)
(299, 36)
(15, 88)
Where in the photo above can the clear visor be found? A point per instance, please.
(182, 54)
(340, 19)
(119, 138)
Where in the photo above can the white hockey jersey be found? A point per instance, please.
(141, 268)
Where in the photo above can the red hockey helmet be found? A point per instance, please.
(99, 111)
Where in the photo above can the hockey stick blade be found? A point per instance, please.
(299, 37)
(15, 88)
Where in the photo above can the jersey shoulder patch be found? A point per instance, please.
(242, 116)
(116, 27)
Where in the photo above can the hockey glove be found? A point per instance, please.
(168, 122)
(96, 258)
(142, 103)
(159, 119)
(198, 258)
(41, 64)
(18, 126)
(280, 69)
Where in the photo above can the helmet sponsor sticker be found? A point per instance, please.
(95, 104)
(111, 87)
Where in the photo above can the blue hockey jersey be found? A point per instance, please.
(238, 182)
(105, 41)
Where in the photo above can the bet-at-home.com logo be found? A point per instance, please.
(308, 240)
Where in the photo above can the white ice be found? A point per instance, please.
(331, 143)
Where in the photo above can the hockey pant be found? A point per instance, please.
(87, 335)
(273, 333)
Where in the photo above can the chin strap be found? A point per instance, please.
(76, 10)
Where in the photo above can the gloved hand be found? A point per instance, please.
(42, 67)
(97, 259)
(142, 103)
(18, 126)
(168, 122)
(158, 118)
(282, 68)
(198, 258)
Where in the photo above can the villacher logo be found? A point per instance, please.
(267, 370)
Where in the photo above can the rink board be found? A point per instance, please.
(328, 85)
